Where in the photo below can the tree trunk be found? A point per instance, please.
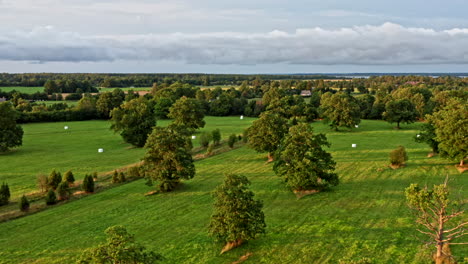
(462, 163)
(231, 245)
(398, 125)
(439, 259)
(270, 157)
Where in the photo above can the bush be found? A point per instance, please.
(244, 136)
(205, 139)
(232, 139)
(24, 203)
(115, 177)
(73, 97)
(68, 177)
(95, 176)
(63, 191)
(88, 184)
(216, 135)
(209, 150)
(122, 177)
(4, 194)
(398, 156)
(42, 182)
(134, 171)
(51, 198)
(55, 178)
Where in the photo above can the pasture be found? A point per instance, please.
(364, 216)
(48, 146)
(23, 89)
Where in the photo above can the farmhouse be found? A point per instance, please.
(306, 93)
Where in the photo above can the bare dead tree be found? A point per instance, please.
(437, 214)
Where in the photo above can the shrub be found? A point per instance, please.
(134, 171)
(209, 150)
(55, 178)
(398, 156)
(95, 176)
(122, 177)
(232, 139)
(4, 194)
(51, 198)
(115, 177)
(68, 177)
(216, 134)
(88, 184)
(42, 182)
(63, 191)
(24, 203)
(205, 139)
(245, 139)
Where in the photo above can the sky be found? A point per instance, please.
(243, 36)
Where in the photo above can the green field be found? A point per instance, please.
(23, 89)
(364, 216)
(125, 89)
(69, 103)
(48, 145)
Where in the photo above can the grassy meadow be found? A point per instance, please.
(48, 146)
(364, 216)
(22, 89)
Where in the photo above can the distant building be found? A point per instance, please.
(306, 93)
(413, 82)
(2, 99)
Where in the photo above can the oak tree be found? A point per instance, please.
(340, 110)
(266, 133)
(237, 217)
(168, 159)
(302, 161)
(134, 120)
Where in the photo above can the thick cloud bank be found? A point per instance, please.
(388, 44)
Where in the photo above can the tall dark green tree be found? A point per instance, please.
(168, 159)
(237, 217)
(187, 112)
(134, 120)
(68, 177)
(400, 111)
(266, 133)
(340, 110)
(88, 184)
(4, 194)
(451, 129)
(302, 161)
(121, 247)
(55, 178)
(11, 134)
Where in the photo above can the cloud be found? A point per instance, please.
(387, 44)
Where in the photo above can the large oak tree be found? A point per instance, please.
(11, 134)
(134, 120)
(237, 217)
(340, 110)
(302, 161)
(266, 133)
(168, 159)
